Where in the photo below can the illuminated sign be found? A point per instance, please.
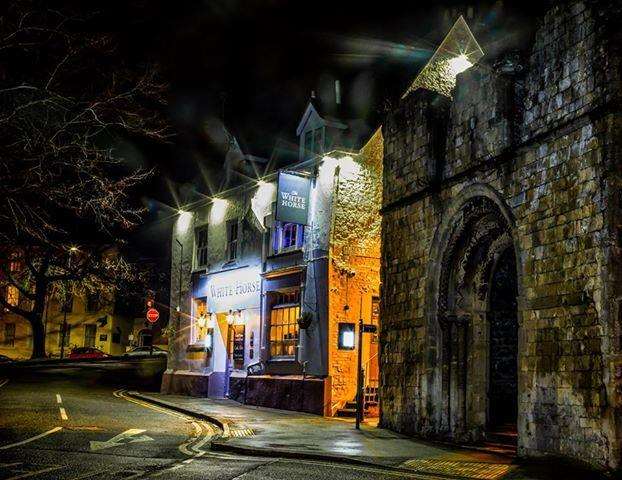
(292, 205)
(237, 289)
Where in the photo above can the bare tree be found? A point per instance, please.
(67, 99)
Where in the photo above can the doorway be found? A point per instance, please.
(503, 346)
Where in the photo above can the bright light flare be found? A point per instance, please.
(459, 64)
(183, 221)
(218, 210)
(262, 199)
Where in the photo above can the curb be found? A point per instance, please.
(223, 446)
(219, 422)
(256, 452)
(219, 446)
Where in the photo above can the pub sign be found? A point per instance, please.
(292, 205)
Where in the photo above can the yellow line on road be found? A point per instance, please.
(31, 439)
(32, 474)
(3, 382)
(58, 398)
(63, 413)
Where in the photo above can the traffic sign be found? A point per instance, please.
(153, 315)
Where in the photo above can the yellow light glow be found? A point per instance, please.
(184, 221)
(459, 64)
(218, 211)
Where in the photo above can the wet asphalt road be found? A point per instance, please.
(76, 423)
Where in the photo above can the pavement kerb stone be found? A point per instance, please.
(223, 446)
(220, 444)
(219, 422)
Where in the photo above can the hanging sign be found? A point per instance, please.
(292, 198)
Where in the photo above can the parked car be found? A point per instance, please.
(5, 359)
(87, 352)
(145, 352)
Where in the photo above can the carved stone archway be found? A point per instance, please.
(477, 233)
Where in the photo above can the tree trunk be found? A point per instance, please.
(38, 336)
(36, 316)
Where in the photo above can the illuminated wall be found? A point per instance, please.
(354, 267)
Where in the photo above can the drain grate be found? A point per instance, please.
(471, 470)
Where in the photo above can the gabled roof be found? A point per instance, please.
(457, 52)
(314, 107)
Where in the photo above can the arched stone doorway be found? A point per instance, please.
(476, 314)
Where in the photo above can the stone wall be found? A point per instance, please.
(542, 146)
(354, 269)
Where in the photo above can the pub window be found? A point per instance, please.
(284, 324)
(200, 321)
(232, 240)
(287, 236)
(308, 144)
(318, 141)
(9, 334)
(201, 247)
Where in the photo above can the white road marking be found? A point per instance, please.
(63, 413)
(31, 439)
(58, 399)
(120, 439)
(32, 474)
(4, 382)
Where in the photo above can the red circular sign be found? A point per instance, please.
(153, 315)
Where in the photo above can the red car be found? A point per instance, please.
(87, 352)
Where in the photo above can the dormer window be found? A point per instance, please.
(314, 142)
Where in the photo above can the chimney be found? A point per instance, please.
(337, 92)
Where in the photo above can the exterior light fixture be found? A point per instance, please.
(73, 249)
(459, 64)
(346, 336)
(240, 318)
(183, 221)
(230, 317)
(218, 210)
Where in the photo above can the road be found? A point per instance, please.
(75, 423)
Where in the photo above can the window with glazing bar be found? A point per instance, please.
(287, 237)
(232, 240)
(201, 247)
(284, 324)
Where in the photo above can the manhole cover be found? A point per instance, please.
(475, 470)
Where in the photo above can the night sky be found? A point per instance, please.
(255, 63)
